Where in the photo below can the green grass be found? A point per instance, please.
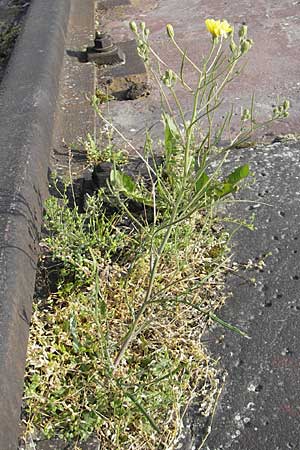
(8, 36)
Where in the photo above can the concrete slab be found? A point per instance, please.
(271, 71)
(74, 116)
(112, 3)
(127, 81)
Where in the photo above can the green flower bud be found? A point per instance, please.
(143, 49)
(243, 31)
(133, 26)
(286, 105)
(169, 78)
(246, 115)
(246, 45)
(286, 114)
(142, 26)
(170, 31)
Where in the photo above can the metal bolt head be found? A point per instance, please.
(103, 41)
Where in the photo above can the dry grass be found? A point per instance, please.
(71, 388)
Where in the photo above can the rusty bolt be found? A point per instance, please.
(103, 42)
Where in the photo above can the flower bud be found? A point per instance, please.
(170, 31)
(169, 78)
(133, 26)
(246, 45)
(246, 115)
(142, 26)
(286, 105)
(243, 31)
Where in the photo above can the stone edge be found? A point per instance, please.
(28, 98)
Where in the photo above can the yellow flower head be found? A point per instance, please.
(218, 28)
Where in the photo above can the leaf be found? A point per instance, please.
(128, 186)
(171, 135)
(238, 174)
(103, 308)
(143, 411)
(170, 124)
(228, 325)
(231, 181)
(224, 189)
(122, 181)
(202, 181)
(73, 331)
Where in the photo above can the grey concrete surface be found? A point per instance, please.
(12, 13)
(260, 405)
(28, 96)
(75, 116)
(271, 70)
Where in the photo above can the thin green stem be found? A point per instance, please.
(183, 53)
(178, 104)
(153, 271)
(166, 65)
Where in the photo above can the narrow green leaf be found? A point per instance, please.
(228, 325)
(122, 181)
(143, 411)
(103, 308)
(171, 135)
(202, 181)
(238, 174)
(170, 124)
(73, 331)
(224, 189)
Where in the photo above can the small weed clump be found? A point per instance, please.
(73, 386)
(8, 36)
(116, 350)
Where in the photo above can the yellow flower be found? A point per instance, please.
(218, 28)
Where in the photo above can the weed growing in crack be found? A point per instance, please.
(116, 351)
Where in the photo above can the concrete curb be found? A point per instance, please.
(27, 105)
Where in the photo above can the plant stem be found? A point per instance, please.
(166, 65)
(130, 336)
